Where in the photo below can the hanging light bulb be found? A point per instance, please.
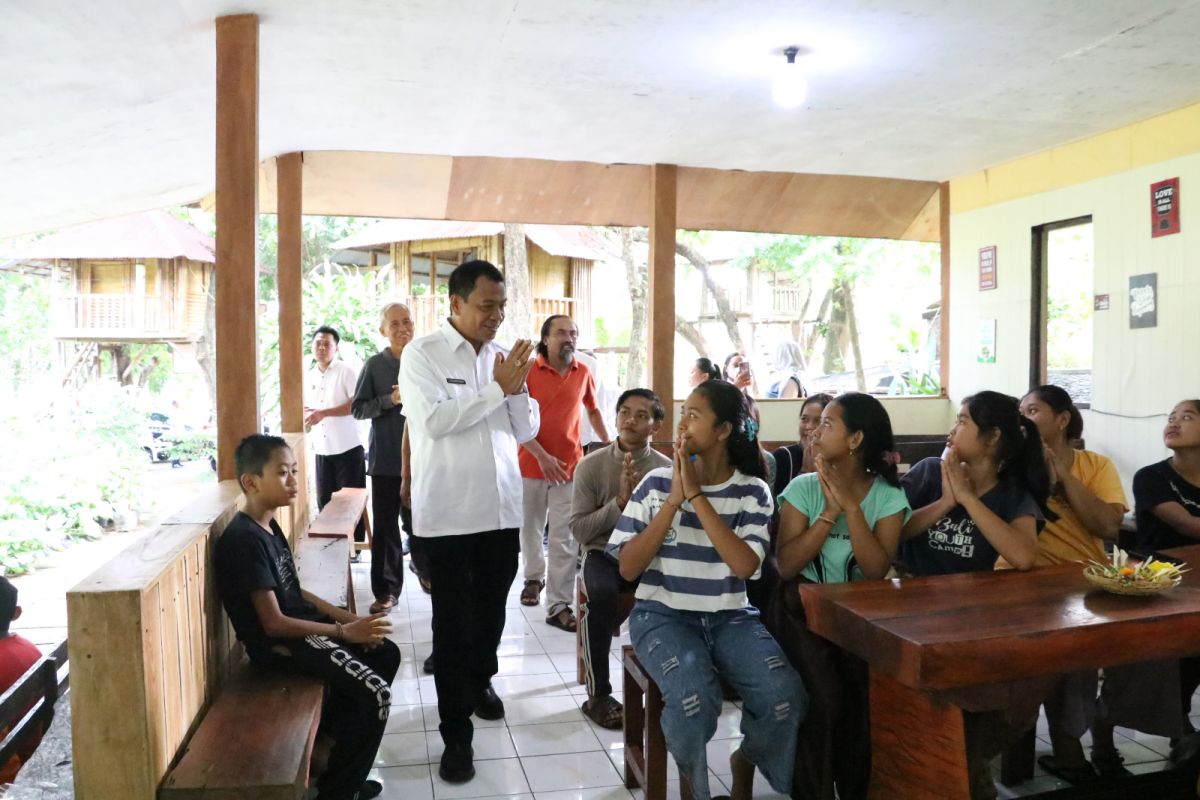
(790, 88)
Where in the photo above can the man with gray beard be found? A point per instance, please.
(560, 383)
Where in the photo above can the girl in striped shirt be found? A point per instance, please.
(693, 534)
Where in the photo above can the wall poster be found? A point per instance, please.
(1164, 208)
(987, 268)
(1143, 300)
(985, 346)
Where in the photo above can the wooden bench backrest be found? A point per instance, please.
(151, 645)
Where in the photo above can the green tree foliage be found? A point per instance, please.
(25, 343)
(80, 473)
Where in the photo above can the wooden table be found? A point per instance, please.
(982, 641)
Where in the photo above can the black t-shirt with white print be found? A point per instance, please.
(954, 543)
(249, 558)
(1152, 486)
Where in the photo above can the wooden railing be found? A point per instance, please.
(110, 312)
(768, 301)
(428, 311)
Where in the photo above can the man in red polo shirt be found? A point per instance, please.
(560, 383)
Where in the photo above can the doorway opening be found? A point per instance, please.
(1061, 341)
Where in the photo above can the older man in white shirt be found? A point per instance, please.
(467, 412)
(333, 431)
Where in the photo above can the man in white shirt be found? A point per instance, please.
(333, 431)
(467, 411)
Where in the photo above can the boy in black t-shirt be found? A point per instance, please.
(285, 627)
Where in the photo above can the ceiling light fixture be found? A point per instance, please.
(790, 88)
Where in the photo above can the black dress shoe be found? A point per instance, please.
(457, 763)
(427, 667)
(488, 704)
(369, 790)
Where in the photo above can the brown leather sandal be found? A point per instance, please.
(531, 594)
(386, 604)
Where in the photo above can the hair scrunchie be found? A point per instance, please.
(751, 428)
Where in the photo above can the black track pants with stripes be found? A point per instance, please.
(358, 696)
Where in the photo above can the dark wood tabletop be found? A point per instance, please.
(956, 631)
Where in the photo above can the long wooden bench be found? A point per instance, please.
(256, 741)
(151, 648)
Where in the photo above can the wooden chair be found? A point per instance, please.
(27, 707)
(645, 747)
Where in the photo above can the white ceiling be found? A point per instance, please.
(107, 107)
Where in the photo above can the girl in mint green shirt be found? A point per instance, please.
(839, 523)
(843, 521)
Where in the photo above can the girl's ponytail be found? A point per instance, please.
(1019, 453)
(730, 405)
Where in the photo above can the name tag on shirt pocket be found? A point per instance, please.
(456, 381)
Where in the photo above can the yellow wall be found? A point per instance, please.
(1138, 374)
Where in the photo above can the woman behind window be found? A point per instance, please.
(789, 364)
(703, 370)
(693, 535)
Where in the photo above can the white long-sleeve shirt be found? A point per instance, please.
(463, 433)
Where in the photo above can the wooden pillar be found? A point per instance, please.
(944, 328)
(237, 234)
(661, 309)
(289, 184)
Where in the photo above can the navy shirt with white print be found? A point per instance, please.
(954, 543)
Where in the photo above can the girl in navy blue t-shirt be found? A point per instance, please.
(985, 498)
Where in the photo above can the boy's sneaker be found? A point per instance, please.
(457, 764)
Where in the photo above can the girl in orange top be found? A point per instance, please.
(1087, 496)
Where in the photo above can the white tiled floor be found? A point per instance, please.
(544, 748)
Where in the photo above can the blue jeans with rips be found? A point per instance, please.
(683, 651)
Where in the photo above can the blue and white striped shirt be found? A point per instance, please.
(688, 574)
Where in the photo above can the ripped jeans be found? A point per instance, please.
(683, 651)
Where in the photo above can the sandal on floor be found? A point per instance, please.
(606, 711)
(1076, 774)
(531, 592)
(563, 620)
(1109, 763)
(386, 604)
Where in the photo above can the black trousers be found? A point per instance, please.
(599, 616)
(355, 712)
(348, 469)
(471, 576)
(387, 551)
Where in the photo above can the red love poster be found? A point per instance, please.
(1164, 208)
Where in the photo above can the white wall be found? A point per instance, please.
(1138, 374)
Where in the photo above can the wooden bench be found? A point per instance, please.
(323, 553)
(153, 654)
(343, 512)
(645, 747)
(256, 741)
